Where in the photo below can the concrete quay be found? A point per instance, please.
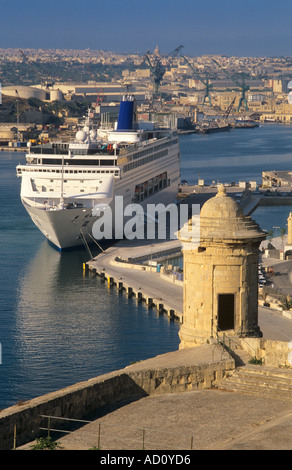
(248, 199)
(279, 177)
(160, 291)
(121, 266)
(13, 149)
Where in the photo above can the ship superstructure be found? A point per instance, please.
(62, 182)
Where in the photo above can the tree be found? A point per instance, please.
(283, 232)
(286, 302)
(270, 233)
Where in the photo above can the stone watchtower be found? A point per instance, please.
(221, 274)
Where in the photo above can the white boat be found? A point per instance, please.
(62, 183)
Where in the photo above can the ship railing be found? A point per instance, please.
(101, 150)
(48, 151)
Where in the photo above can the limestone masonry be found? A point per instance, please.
(221, 273)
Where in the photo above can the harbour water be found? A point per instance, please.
(59, 326)
(240, 155)
(237, 155)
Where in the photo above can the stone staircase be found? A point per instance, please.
(270, 382)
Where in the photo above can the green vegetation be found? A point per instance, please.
(254, 360)
(21, 73)
(283, 233)
(72, 108)
(286, 303)
(270, 234)
(53, 112)
(45, 443)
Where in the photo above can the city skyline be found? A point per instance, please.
(259, 29)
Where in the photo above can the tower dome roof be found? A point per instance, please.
(221, 206)
(222, 219)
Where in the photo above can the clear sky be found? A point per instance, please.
(231, 27)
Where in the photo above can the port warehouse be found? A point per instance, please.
(109, 93)
(107, 96)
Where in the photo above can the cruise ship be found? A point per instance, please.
(63, 182)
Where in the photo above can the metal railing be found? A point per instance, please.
(227, 341)
(50, 429)
(123, 436)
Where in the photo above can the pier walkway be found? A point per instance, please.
(119, 265)
(136, 279)
(160, 291)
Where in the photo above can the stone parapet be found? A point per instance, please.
(169, 373)
(270, 352)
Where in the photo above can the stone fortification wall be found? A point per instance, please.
(272, 353)
(78, 401)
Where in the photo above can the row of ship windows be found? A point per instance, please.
(44, 189)
(136, 155)
(114, 172)
(143, 161)
(144, 152)
(150, 187)
(72, 161)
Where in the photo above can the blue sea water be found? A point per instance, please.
(59, 326)
(237, 155)
(240, 155)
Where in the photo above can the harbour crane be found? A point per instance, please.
(100, 97)
(205, 82)
(39, 70)
(228, 111)
(244, 88)
(157, 69)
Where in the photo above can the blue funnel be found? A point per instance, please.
(126, 114)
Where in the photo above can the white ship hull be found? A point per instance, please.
(61, 185)
(59, 227)
(67, 228)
